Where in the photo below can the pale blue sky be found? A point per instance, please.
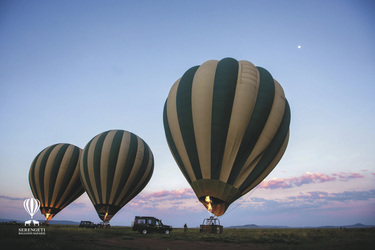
(70, 70)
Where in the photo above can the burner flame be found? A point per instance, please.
(209, 201)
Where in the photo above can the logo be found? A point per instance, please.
(31, 206)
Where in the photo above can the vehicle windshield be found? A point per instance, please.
(159, 223)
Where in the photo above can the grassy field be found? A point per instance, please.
(72, 237)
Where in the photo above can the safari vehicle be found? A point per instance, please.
(146, 224)
(211, 225)
(87, 224)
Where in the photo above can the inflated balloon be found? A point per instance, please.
(115, 166)
(227, 126)
(54, 178)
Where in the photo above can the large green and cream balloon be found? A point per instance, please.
(227, 126)
(114, 167)
(54, 178)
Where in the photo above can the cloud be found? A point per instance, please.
(12, 198)
(325, 197)
(347, 176)
(314, 201)
(312, 195)
(307, 178)
(185, 199)
(352, 196)
(179, 194)
(77, 205)
(276, 183)
(165, 199)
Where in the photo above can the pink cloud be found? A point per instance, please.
(162, 198)
(347, 176)
(313, 178)
(185, 193)
(313, 195)
(185, 199)
(346, 196)
(275, 183)
(307, 178)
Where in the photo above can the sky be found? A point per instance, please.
(70, 70)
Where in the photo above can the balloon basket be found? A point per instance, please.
(211, 225)
(104, 225)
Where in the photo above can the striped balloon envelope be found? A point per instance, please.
(54, 178)
(115, 166)
(227, 126)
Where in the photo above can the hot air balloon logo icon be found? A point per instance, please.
(31, 206)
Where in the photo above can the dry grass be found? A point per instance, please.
(72, 237)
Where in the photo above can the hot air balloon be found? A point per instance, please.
(54, 178)
(115, 166)
(227, 125)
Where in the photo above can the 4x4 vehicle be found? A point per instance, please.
(146, 224)
(87, 224)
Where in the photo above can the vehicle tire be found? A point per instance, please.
(144, 231)
(167, 231)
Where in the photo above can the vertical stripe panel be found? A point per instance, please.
(273, 122)
(267, 135)
(134, 169)
(129, 165)
(243, 105)
(121, 162)
(74, 188)
(137, 183)
(258, 119)
(222, 103)
(104, 163)
(271, 151)
(40, 171)
(48, 168)
(270, 167)
(33, 177)
(84, 172)
(202, 94)
(71, 176)
(172, 145)
(112, 161)
(97, 167)
(91, 171)
(185, 119)
(174, 125)
(55, 170)
(63, 168)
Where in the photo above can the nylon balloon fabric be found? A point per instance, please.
(54, 178)
(227, 125)
(115, 166)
